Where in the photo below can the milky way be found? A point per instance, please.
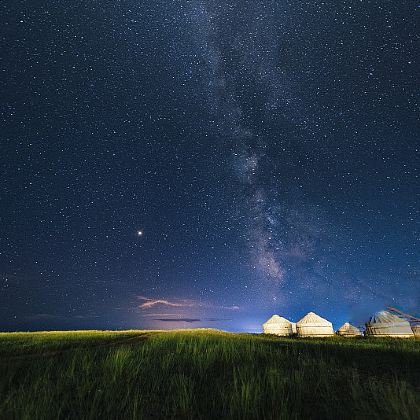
(240, 43)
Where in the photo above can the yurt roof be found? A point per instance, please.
(276, 319)
(385, 317)
(349, 328)
(313, 318)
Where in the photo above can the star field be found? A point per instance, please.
(206, 162)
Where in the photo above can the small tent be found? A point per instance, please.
(348, 330)
(386, 324)
(416, 330)
(278, 325)
(312, 325)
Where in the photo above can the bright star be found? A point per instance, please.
(139, 233)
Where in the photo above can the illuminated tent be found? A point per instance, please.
(385, 324)
(348, 330)
(312, 325)
(416, 330)
(277, 325)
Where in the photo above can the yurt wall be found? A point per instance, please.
(416, 330)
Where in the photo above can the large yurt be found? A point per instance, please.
(348, 330)
(416, 330)
(386, 324)
(312, 325)
(278, 325)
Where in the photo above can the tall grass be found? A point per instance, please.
(203, 374)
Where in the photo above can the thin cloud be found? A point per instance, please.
(38, 317)
(216, 319)
(231, 308)
(180, 303)
(189, 320)
(45, 316)
(150, 303)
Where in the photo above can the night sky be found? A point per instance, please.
(207, 163)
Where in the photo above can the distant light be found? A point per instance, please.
(139, 233)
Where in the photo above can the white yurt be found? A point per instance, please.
(416, 330)
(312, 325)
(348, 330)
(278, 325)
(386, 324)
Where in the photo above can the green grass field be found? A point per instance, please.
(205, 374)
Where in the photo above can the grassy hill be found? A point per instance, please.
(204, 374)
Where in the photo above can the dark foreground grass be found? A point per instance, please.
(206, 374)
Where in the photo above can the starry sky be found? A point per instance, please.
(207, 163)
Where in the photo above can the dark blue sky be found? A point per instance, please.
(267, 150)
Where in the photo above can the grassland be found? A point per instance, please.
(205, 374)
